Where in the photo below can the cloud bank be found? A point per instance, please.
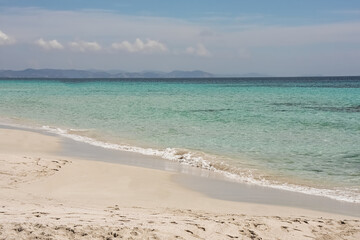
(5, 39)
(47, 45)
(140, 46)
(83, 46)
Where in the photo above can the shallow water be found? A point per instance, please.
(300, 134)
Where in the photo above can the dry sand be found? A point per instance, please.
(44, 196)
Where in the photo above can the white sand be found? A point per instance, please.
(44, 196)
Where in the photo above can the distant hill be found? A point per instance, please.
(60, 73)
(52, 73)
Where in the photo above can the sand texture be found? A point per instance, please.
(45, 196)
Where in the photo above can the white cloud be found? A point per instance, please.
(5, 39)
(83, 46)
(140, 46)
(52, 44)
(199, 50)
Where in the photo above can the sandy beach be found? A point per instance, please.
(47, 196)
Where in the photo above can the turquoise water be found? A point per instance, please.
(300, 134)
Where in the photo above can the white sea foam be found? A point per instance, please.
(192, 159)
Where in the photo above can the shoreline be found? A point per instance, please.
(211, 184)
(166, 159)
(62, 197)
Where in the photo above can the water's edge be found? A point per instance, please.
(212, 184)
(172, 159)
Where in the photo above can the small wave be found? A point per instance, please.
(200, 160)
(346, 109)
(211, 110)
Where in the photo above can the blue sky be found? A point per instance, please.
(281, 38)
(303, 10)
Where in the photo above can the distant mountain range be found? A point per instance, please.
(60, 73)
(66, 73)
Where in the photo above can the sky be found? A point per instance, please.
(271, 37)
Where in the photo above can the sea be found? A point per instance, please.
(299, 134)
